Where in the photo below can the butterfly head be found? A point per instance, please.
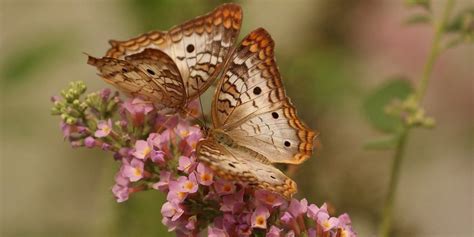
(205, 131)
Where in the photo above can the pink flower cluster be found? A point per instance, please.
(157, 152)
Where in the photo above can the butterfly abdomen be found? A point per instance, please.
(224, 139)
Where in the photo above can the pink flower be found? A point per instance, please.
(259, 217)
(183, 130)
(171, 210)
(194, 108)
(89, 142)
(172, 225)
(224, 187)
(137, 109)
(105, 93)
(121, 189)
(133, 170)
(188, 185)
(286, 218)
(176, 193)
(105, 146)
(204, 174)
(159, 141)
(68, 130)
(273, 232)
(191, 225)
(187, 164)
(244, 230)
(166, 121)
(347, 233)
(269, 198)
(162, 185)
(189, 135)
(158, 157)
(233, 202)
(121, 193)
(327, 222)
(142, 149)
(313, 211)
(103, 128)
(298, 208)
(312, 232)
(216, 232)
(344, 220)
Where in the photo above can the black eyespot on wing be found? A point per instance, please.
(273, 177)
(275, 115)
(151, 72)
(231, 165)
(287, 143)
(124, 70)
(257, 90)
(190, 48)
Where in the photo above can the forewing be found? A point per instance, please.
(239, 165)
(199, 47)
(150, 74)
(251, 105)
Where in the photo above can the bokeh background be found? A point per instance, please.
(332, 55)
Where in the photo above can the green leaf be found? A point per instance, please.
(375, 103)
(418, 19)
(461, 21)
(384, 143)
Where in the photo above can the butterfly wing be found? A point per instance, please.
(236, 164)
(250, 104)
(150, 74)
(199, 47)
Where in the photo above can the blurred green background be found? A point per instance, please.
(332, 56)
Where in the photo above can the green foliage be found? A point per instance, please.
(24, 62)
(464, 20)
(376, 102)
(462, 27)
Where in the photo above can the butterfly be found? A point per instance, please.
(254, 122)
(173, 67)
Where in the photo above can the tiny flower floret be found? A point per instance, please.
(259, 217)
(142, 149)
(133, 170)
(171, 210)
(205, 175)
(103, 128)
(269, 198)
(327, 222)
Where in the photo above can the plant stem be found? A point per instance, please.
(434, 52)
(419, 93)
(394, 174)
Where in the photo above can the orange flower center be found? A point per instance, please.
(205, 177)
(188, 185)
(181, 195)
(260, 220)
(270, 199)
(227, 188)
(137, 172)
